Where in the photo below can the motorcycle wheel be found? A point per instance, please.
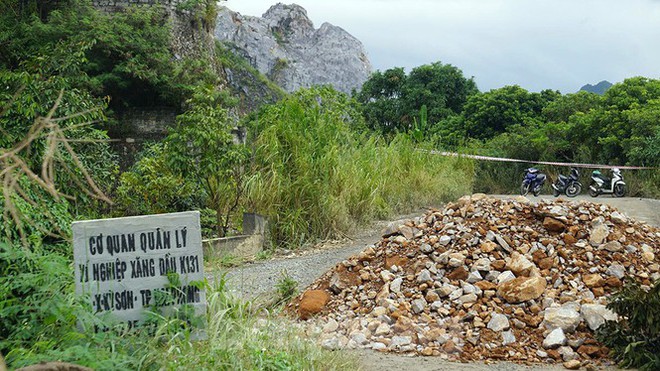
(524, 189)
(537, 191)
(619, 190)
(555, 192)
(593, 193)
(573, 190)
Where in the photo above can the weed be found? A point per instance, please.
(286, 287)
(264, 254)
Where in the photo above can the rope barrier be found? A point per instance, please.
(567, 164)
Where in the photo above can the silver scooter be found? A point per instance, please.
(601, 184)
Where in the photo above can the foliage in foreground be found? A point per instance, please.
(40, 313)
(315, 176)
(635, 339)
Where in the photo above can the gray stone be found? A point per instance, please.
(418, 305)
(492, 276)
(285, 46)
(502, 243)
(395, 285)
(618, 218)
(474, 277)
(378, 346)
(424, 276)
(505, 277)
(482, 264)
(508, 337)
(470, 289)
(498, 322)
(443, 338)
(616, 270)
(382, 329)
(595, 315)
(566, 318)
(598, 235)
(444, 240)
(426, 248)
(400, 341)
(555, 339)
(436, 305)
(575, 343)
(567, 353)
(612, 246)
(330, 326)
(359, 338)
(468, 298)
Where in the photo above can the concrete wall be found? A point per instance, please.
(245, 246)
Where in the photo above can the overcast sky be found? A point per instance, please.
(537, 44)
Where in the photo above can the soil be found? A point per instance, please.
(258, 280)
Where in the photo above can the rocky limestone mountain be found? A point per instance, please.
(284, 45)
(599, 88)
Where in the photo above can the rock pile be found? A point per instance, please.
(486, 279)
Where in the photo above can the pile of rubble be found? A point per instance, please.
(486, 279)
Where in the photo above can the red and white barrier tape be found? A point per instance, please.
(500, 159)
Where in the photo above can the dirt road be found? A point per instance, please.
(259, 279)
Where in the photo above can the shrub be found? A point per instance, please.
(635, 339)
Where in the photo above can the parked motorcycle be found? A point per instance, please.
(601, 184)
(532, 182)
(568, 185)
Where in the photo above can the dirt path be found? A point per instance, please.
(259, 279)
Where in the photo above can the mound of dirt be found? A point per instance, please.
(486, 279)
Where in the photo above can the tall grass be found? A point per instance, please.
(317, 175)
(242, 336)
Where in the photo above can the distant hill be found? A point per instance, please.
(599, 88)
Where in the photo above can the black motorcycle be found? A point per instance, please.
(569, 185)
(532, 182)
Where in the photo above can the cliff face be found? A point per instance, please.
(284, 45)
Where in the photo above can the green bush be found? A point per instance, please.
(39, 312)
(316, 176)
(635, 339)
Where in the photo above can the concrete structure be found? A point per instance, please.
(246, 246)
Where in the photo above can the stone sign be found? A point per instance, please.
(122, 264)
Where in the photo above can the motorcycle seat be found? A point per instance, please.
(563, 177)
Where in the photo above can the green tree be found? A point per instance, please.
(488, 114)
(197, 166)
(393, 101)
(620, 130)
(380, 98)
(442, 88)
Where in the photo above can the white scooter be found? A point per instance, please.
(601, 184)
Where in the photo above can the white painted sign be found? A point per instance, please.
(123, 264)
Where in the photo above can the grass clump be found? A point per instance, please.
(319, 175)
(286, 288)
